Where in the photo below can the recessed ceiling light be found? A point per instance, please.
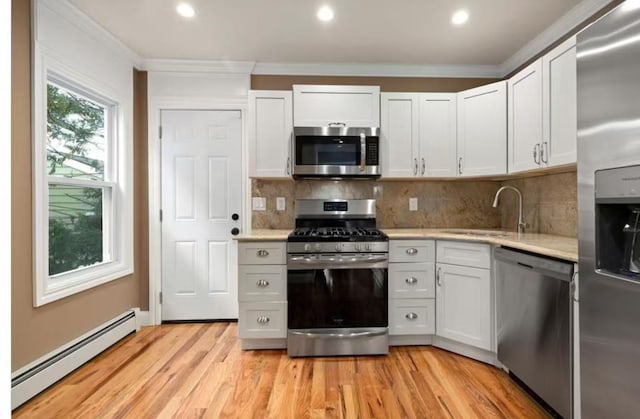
(325, 13)
(185, 10)
(460, 17)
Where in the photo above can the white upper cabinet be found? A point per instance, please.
(418, 134)
(525, 119)
(438, 134)
(349, 106)
(270, 131)
(399, 141)
(559, 104)
(482, 130)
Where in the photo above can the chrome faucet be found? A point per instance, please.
(522, 224)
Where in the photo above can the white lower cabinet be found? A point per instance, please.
(262, 294)
(463, 312)
(464, 302)
(411, 287)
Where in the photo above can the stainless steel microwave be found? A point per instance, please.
(336, 152)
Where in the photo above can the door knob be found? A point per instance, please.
(235, 231)
(235, 217)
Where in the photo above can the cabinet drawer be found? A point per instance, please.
(464, 254)
(412, 280)
(412, 317)
(262, 283)
(412, 251)
(262, 320)
(262, 253)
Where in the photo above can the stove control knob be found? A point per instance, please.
(339, 247)
(307, 247)
(317, 246)
(358, 247)
(368, 247)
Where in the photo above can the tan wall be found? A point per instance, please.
(387, 84)
(37, 331)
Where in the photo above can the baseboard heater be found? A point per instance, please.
(42, 373)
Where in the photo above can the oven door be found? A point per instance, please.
(335, 152)
(337, 305)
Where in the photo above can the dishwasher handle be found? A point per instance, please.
(559, 269)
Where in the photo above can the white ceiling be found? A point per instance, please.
(415, 32)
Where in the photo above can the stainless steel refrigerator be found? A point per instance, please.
(609, 213)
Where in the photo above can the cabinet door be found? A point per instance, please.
(399, 124)
(463, 305)
(270, 130)
(525, 118)
(438, 134)
(482, 130)
(321, 106)
(559, 104)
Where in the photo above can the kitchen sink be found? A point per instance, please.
(478, 233)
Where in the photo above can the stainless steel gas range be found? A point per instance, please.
(337, 280)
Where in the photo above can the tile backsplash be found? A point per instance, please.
(550, 202)
(457, 204)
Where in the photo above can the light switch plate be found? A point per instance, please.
(413, 204)
(259, 204)
(281, 203)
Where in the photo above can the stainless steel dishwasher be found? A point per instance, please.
(534, 324)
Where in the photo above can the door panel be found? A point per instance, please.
(399, 127)
(438, 134)
(201, 178)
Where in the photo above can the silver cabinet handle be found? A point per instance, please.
(263, 319)
(415, 167)
(412, 251)
(363, 151)
(424, 167)
(536, 152)
(288, 165)
(460, 165)
(438, 277)
(262, 253)
(412, 280)
(544, 148)
(262, 283)
(411, 316)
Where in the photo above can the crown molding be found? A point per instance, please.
(377, 70)
(199, 66)
(581, 12)
(75, 16)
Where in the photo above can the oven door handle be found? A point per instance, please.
(328, 335)
(359, 262)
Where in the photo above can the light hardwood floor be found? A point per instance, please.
(198, 370)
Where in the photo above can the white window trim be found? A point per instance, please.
(64, 285)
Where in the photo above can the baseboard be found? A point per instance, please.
(410, 340)
(32, 379)
(253, 344)
(478, 354)
(143, 319)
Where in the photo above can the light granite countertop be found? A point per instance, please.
(555, 246)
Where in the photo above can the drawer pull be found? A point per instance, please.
(412, 251)
(262, 253)
(412, 280)
(263, 319)
(411, 316)
(438, 279)
(262, 283)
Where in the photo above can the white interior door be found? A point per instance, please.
(201, 190)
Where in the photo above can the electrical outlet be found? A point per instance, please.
(281, 203)
(259, 204)
(413, 204)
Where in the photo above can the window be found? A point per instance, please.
(79, 201)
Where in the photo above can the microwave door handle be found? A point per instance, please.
(363, 151)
